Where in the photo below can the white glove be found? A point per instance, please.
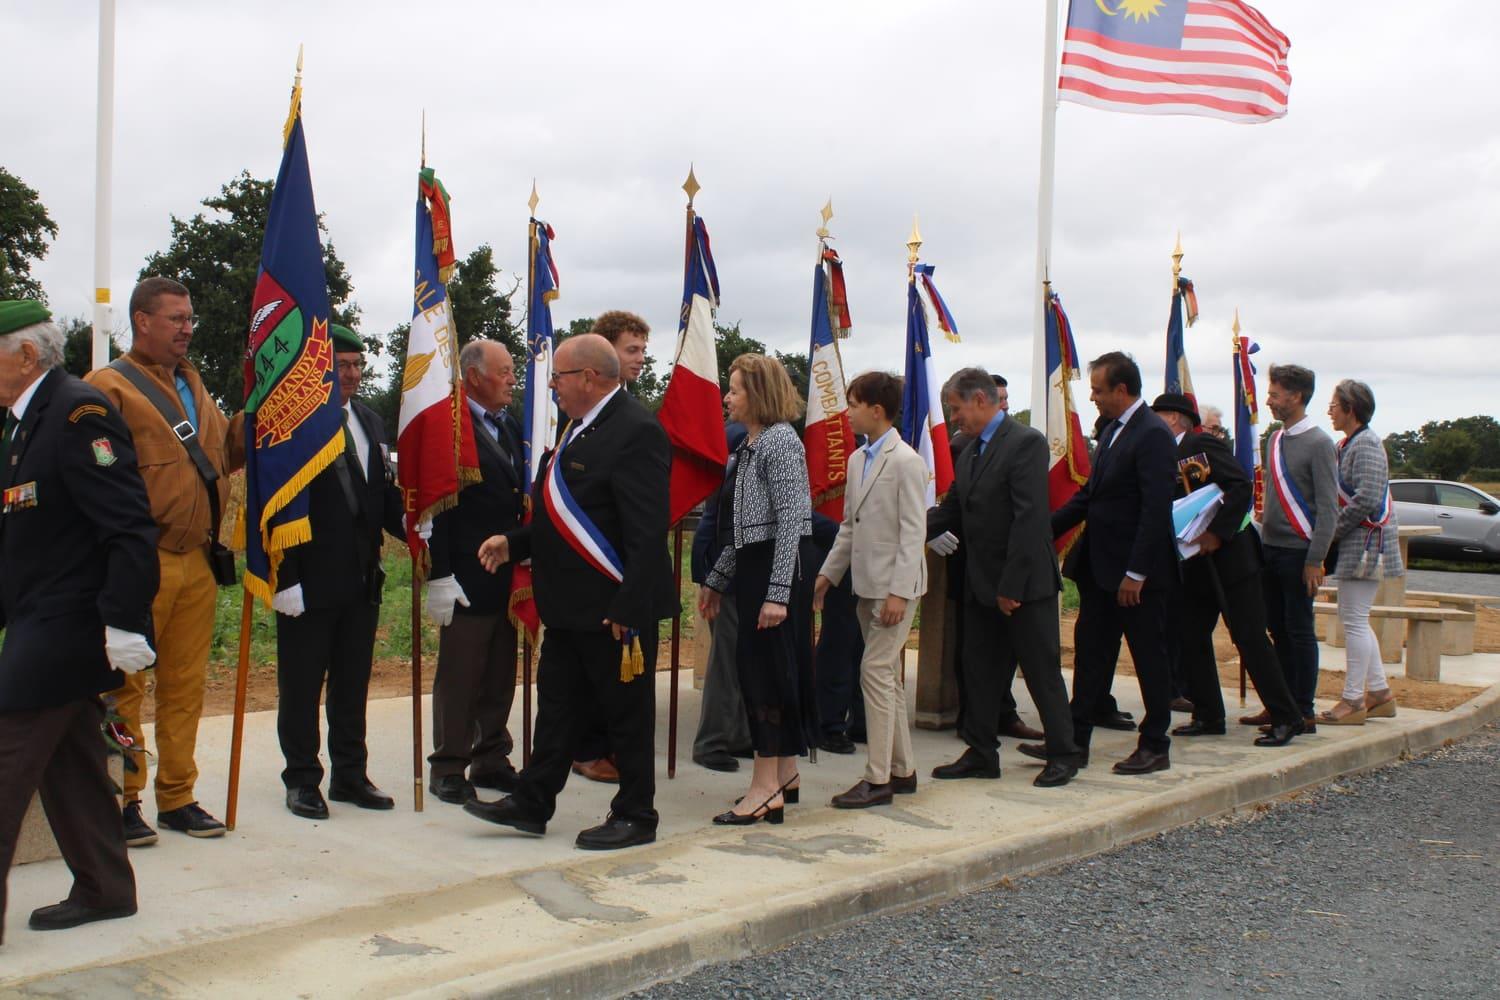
(289, 601)
(424, 532)
(127, 651)
(945, 544)
(442, 594)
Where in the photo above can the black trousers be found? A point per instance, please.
(60, 752)
(1096, 647)
(472, 693)
(841, 704)
(593, 736)
(994, 644)
(578, 679)
(337, 644)
(1245, 614)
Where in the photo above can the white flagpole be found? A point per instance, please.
(104, 149)
(1044, 220)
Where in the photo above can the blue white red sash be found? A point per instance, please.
(589, 542)
(1376, 523)
(1299, 513)
(573, 524)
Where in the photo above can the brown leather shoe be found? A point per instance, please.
(904, 786)
(1261, 718)
(1019, 730)
(602, 770)
(1182, 705)
(1143, 761)
(863, 795)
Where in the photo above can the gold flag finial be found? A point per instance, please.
(424, 138)
(296, 106)
(533, 201)
(1236, 327)
(913, 242)
(827, 214)
(1177, 260)
(298, 81)
(691, 186)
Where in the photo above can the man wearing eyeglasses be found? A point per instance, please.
(161, 320)
(328, 605)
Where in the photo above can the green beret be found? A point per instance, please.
(17, 314)
(345, 340)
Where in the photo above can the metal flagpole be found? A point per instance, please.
(416, 629)
(531, 247)
(1044, 220)
(104, 138)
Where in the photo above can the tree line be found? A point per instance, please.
(216, 254)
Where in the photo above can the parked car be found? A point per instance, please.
(1470, 518)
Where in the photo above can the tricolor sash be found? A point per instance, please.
(1299, 513)
(1375, 524)
(585, 538)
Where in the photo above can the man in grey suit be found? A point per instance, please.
(998, 509)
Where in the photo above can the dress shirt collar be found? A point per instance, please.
(1302, 426)
(19, 407)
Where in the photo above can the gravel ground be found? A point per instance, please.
(1384, 885)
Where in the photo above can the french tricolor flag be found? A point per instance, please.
(827, 437)
(1070, 452)
(922, 424)
(692, 411)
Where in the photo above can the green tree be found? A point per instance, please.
(26, 232)
(78, 345)
(1403, 450)
(1484, 431)
(217, 256)
(730, 343)
(1450, 453)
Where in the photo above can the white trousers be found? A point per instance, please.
(1365, 671)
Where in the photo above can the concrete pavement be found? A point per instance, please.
(441, 904)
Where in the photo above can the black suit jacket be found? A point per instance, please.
(77, 547)
(1127, 503)
(338, 566)
(998, 509)
(619, 472)
(1203, 458)
(492, 505)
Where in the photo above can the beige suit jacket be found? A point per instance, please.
(884, 533)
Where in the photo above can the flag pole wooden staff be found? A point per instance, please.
(531, 248)
(692, 187)
(1234, 333)
(416, 629)
(237, 736)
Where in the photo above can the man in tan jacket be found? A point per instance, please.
(161, 318)
(882, 540)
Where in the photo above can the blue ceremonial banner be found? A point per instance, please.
(540, 424)
(1178, 379)
(293, 416)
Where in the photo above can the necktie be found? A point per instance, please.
(5, 438)
(189, 406)
(352, 450)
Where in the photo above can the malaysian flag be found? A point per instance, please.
(1215, 58)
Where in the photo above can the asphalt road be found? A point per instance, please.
(1386, 885)
(1455, 583)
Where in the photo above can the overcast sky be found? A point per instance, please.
(1358, 235)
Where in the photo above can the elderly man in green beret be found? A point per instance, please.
(328, 605)
(78, 548)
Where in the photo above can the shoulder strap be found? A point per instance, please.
(182, 430)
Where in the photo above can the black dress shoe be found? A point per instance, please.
(1180, 704)
(718, 760)
(61, 916)
(1143, 761)
(613, 834)
(191, 819)
(502, 780)
(1122, 721)
(506, 812)
(454, 788)
(1057, 772)
(1039, 751)
(306, 801)
(363, 794)
(837, 743)
(904, 786)
(972, 764)
(1280, 734)
(863, 795)
(1200, 728)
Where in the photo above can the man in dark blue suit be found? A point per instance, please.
(475, 683)
(1125, 560)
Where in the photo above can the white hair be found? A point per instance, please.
(1212, 411)
(45, 337)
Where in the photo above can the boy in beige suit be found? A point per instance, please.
(881, 540)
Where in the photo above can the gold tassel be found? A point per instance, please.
(632, 662)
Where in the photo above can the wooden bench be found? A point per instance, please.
(1458, 636)
(1424, 634)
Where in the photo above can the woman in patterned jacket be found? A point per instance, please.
(765, 525)
(1367, 552)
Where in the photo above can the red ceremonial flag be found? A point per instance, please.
(435, 436)
(1070, 451)
(827, 437)
(692, 411)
